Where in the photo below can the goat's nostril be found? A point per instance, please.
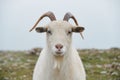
(59, 46)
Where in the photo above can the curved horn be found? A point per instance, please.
(68, 15)
(47, 14)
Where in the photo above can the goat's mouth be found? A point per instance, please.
(59, 53)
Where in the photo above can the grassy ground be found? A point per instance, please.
(99, 66)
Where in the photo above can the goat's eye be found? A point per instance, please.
(49, 32)
(69, 32)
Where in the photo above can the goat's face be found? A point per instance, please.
(59, 34)
(59, 37)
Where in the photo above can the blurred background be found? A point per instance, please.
(100, 18)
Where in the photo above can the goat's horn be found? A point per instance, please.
(68, 15)
(47, 14)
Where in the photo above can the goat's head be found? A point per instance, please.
(59, 33)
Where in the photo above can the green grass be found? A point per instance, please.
(102, 66)
(98, 66)
(16, 66)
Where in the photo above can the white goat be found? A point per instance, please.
(59, 60)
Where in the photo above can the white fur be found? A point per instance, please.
(51, 66)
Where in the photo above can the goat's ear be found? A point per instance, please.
(78, 29)
(41, 29)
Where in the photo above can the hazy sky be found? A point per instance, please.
(101, 19)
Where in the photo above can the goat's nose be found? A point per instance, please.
(59, 46)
